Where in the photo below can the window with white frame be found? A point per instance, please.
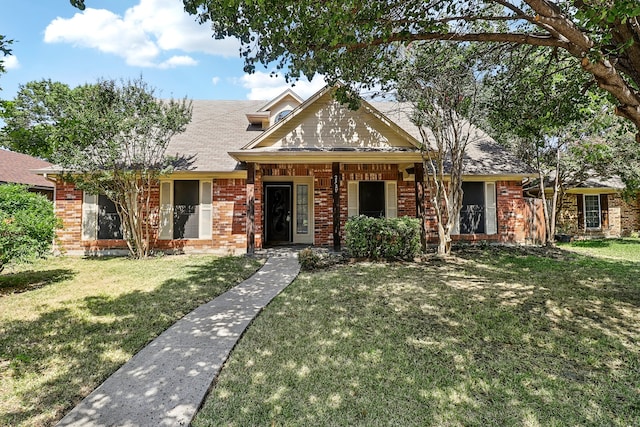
(478, 213)
(373, 198)
(100, 220)
(186, 209)
(592, 211)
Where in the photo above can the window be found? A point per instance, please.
(478, 213)
(281, 115)
(100, 219)
(592, 211)
(186, 209)
(109, 224)
(373, 198)
(302, 209)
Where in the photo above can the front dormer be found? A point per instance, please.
(275, 110)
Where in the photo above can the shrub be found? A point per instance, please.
(308, 259)
(27, 224)
(383, 238)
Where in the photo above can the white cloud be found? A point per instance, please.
(10, 62)
(262, 86)
(143, 35)
(179, 61)
(215, 80)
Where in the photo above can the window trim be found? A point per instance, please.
(390, 197)
(584, 211)
(90, 218)
(205, 227)
(490, 211)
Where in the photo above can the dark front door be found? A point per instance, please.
(278, 208)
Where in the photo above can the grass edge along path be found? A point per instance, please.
(78, 320)
(496, 337)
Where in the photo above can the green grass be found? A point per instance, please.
(625, 249)
(496, 337)
(66, 324)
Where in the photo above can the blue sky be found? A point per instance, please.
(126, 39)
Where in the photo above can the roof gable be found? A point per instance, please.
(322, 123)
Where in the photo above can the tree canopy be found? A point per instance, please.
(34, 119)
(350, 40)
(113, 141)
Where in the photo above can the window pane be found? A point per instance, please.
(302, 209)
(186, 199)
(371, 199)
(108, 219)
(592, 211)
(472, 214)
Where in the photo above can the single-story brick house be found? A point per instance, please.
(290, 171)
(18, 168)
(595, 208)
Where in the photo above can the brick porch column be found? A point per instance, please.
(251, 214)
(335, 186)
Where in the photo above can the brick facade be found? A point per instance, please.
(229, 209)
(623, 217)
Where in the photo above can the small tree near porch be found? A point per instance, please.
(113, 141)
(438, 80)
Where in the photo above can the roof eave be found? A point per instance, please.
(299, 157)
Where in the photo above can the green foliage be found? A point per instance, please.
(34, 119)
(356, 42)
(383, 238)
(112, 140)
(27, 224)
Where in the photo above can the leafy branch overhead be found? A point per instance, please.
(353, 40)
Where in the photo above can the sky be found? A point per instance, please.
(128, 39)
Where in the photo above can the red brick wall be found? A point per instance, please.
(511, 215)
(228, 225)
(229, 209)
(68, 206)
(229, 214)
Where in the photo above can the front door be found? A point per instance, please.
(278, 207)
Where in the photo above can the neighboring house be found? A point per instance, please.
(596, 208)
(18, 168)
(292, 172)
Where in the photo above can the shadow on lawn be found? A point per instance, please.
(92, 339)
(497, 337)
(29, 280)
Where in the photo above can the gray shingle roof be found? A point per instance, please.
(216, 128)
(484, 156)
(219, 127)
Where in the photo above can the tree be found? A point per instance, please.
(349, 40)
(33, 119)
(541, 107)
(113, 141)
(27, 224)
(5, 50)
(439, 81)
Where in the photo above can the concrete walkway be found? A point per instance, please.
(166, 382)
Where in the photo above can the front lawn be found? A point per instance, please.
(497, 337)
(624, 249)
(66, 324)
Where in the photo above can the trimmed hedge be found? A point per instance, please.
(383, 238)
